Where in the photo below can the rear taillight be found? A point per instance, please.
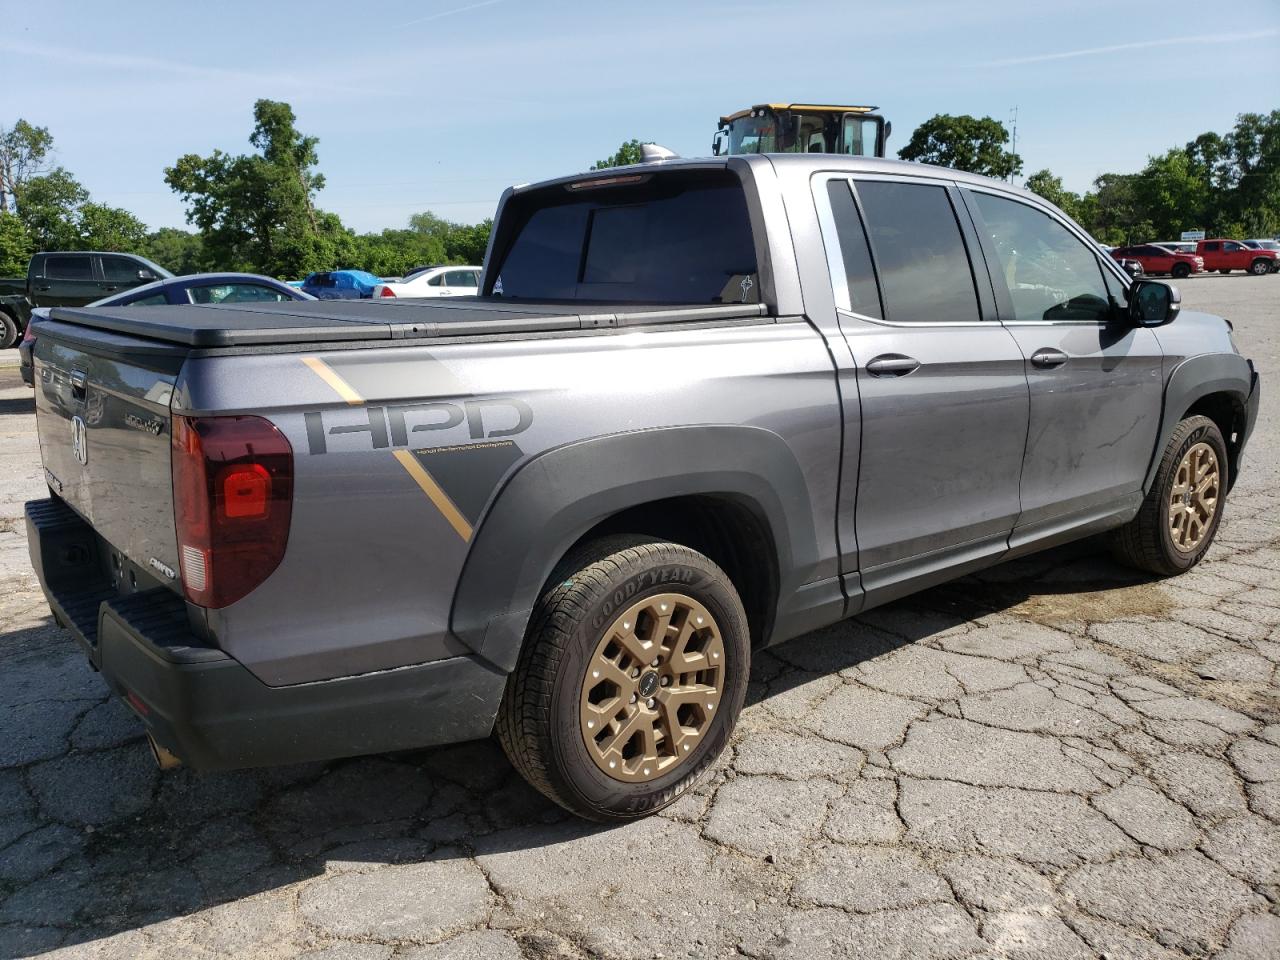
(232, 498)
(387, 292)
(30, 335)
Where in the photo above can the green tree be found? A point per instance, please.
(964, 143)
(109, 228)
(626, 154)
(48, 207)
(177, 250)
(1118, 216)
(15, 245)
(1044, 184)
(1171, 195)
(257, 211)
(24, 148)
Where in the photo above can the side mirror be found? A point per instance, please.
(717, 142)
(1153, 304)
(147, 275)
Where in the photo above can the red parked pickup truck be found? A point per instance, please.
(1227, 255)
(1157, 259)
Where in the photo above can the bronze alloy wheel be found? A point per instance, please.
(1193, 497)
(652, 687)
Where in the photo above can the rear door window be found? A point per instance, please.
(919, 253)
(461, 278)
(859, 294)
(69, 268)
(671, 238)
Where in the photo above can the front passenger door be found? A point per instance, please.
(1095, 378)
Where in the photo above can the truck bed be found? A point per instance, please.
(330, 321)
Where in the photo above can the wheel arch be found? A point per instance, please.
(652, 482)
(1212, 385)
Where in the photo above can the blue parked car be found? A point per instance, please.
(197, 288)
(341, 284)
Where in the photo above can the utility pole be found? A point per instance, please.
(1014, 124)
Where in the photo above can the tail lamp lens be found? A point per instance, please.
(387, 292)
(232, 499)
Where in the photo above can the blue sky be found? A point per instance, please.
(440, 104)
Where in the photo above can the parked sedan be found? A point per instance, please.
(436, 282)
(197, 288)
(341, 284)
(1158, 259)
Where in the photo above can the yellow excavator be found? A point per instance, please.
(802, 128)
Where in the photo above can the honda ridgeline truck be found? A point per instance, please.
(699, 407)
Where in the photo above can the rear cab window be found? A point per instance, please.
(671, 237)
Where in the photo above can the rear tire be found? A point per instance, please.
(1224, 272)
(8, 331)
(1260, 267)
(1181, 271)
(671, 689)
(1180, 515)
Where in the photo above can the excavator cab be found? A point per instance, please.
(802, 128)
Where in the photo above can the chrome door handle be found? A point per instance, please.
(1048, 357)
(892, 365)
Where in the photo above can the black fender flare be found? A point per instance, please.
(1192, 380)
(551, 501)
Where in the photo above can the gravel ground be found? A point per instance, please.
(1054, 759)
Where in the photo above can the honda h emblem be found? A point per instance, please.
(79, 440)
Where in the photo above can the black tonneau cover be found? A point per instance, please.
(320, 321)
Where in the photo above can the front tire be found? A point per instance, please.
(1181, 271)
(1180, 515)
(1224, 272)
(632, 675)
(1260, 267)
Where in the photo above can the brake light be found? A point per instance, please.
(387, 292)
(29, 336)
(232, 501)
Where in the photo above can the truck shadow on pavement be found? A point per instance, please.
(95, 841)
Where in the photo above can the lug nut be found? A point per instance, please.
(649, 703)
(665, 681)
(633, 698)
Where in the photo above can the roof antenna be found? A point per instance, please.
(653, 153)
(1014, 147)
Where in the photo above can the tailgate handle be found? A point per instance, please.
(78, 382)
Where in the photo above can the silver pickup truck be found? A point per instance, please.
(699, 407)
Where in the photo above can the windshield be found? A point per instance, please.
(679, 237)
(795, 132)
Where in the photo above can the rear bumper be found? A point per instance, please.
(212, 712)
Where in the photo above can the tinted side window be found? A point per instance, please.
(120, 270)
(919, 253)
(68, 268)
(236, 293)
(462, 278)
(861, 295)
(1211, 247)
(154, 300)
(1050, 273)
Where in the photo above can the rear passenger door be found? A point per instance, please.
(941, 383)
(1095, 378)
(69, 280)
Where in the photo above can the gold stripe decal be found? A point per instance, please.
(329, 376)
(437, 496)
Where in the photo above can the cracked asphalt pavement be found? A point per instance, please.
(1054, 759)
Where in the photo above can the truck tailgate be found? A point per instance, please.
(102, 412)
